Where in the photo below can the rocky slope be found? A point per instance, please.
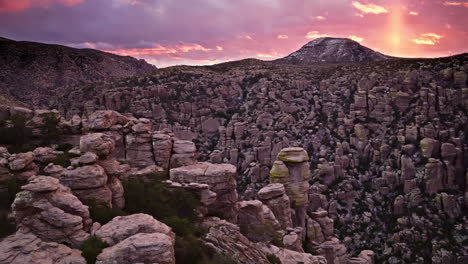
(30, 71)
(375, 133)
(334, 160)
(333, 50)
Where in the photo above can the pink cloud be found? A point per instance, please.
(465, 4)
(15, 6)
(369, 8)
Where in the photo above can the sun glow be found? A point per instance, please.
(395, 29)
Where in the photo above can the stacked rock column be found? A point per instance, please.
(292, 169)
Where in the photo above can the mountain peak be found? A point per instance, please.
(333, 50)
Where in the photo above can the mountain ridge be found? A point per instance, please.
(30, 69)
(333, 50)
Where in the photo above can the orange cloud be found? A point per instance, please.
(268, 55)
(315, 34)
(427, 39)
(369, 8)
(157, 50)
(413, 13)
(192, 47)
(465, 4)
(161, 50)
(14, 6)
(282, 36)
(356, 38)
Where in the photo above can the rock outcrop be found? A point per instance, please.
(292, 170)
(25, 247)
(137, 238)
(222, 180)
(51, 212)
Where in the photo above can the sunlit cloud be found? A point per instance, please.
(192, 47)
(320, 18)
(246, 37)
(413, 13)
(427, 39)
(219, 48)
(465, 4)
(273, 55)
(157, 50)
(282, 37)
(14, 6)
(369, 8)
(356, 38)
(315, 34)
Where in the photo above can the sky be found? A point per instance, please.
(202, 32)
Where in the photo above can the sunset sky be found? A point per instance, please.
(199, 32)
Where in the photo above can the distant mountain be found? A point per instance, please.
(30, 70)
(333, 50)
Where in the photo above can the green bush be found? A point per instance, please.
(273, 259)
(174, 207)
(91, 248)
(6, 227)
(101, 213)
(65, 147)
(11, 187)
(61, 159)
(51, 131)
(15, 135)
(188, 250)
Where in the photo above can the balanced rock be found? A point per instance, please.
(51, 211)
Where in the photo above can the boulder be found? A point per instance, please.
(225, 239)
(20, 161)
(183, 153)
(24, 247)
(140, 248)
(86, 177)
(123, 227)
(105, 119)
(257, 222)
(98, 143)
(274, 196)
(51, 212)
(220, 177)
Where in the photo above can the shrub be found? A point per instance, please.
(6, 227)
(273, 259)
(100, 212)
(188, 250)
(51, 131)
(61, 159)
(11, 187)
(91, 248)
(65, 147)
(16, 135)
(174, 207)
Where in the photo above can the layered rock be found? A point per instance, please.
(139, 149)
(292, 169)
(274, 196)
(51, 211)
(25, 247)
(257, 222)
(220, 177)
(137, 238)
(225, 238)
(183, 153)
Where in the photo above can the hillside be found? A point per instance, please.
(31, 71)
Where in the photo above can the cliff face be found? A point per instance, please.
(30, 70)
